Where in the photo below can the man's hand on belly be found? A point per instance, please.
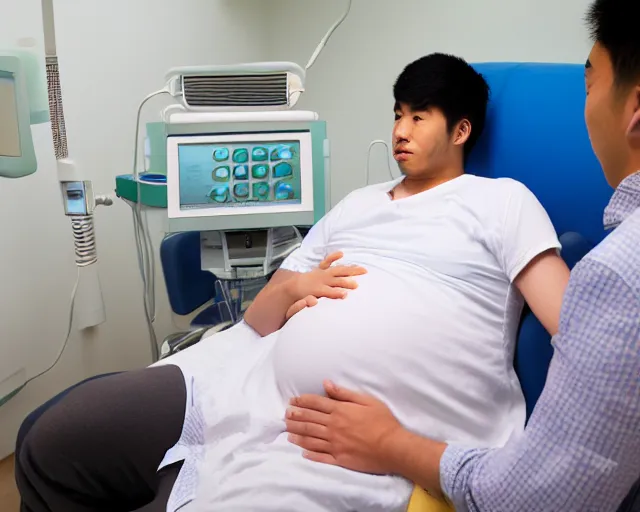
(345, 429)
(289, 292)
(325, 281)
(360, 433)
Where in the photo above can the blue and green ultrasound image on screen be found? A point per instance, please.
(239, 174)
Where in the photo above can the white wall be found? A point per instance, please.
(351, 83)
(112, 54)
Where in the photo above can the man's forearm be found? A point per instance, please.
(416, 459)
(267, 312)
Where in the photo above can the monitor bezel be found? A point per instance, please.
(173, 174)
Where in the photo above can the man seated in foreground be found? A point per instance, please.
(437, 265)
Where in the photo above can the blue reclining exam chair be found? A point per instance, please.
(191, 290)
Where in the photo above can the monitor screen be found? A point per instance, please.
(239, 174)
(235, 174)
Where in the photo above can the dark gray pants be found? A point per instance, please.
(97, 447)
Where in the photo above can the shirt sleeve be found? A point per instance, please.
(581, 448)
(314, 246)
(527, 231)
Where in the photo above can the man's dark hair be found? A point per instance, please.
(614, 24)
(450, 85)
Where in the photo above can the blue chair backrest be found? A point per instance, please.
(536, 134)
(188, 286)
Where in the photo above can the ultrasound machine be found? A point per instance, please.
(241, 185)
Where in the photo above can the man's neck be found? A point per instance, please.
(410, 186)
(632, 168)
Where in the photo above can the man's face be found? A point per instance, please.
(421, 141)
(609, 112)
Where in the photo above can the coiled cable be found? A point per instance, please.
(84, 240)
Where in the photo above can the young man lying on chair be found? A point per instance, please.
(419, 308)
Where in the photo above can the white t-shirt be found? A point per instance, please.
(431, 328)
(430, 331)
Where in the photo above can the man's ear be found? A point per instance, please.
(633, 130)
(462, 132)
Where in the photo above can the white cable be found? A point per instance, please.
(326, 38)
(368, 170)
(144, 248)
(143, 259)
(152, 270)
(8, 397)
(152, 267)
(146, 259)
(148, 262)
(136, 148)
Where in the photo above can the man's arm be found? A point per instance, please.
(360, 433)
(542, 283)
(266, 314)
(526, 245)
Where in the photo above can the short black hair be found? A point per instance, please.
(613, 24)
(449, 84)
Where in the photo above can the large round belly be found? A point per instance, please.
(349, 341)
(412, 343)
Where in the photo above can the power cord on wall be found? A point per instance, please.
(327, 36)
(8, 397)
(368, 170)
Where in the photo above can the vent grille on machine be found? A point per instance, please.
(265, 90)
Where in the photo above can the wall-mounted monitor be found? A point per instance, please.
(17, 154)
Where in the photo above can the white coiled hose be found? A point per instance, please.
(84, 240)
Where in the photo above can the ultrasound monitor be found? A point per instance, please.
(17, 153)
(241, 180)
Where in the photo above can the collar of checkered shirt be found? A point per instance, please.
(625, 201)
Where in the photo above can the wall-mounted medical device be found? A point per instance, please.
(23, 102)
(27, 99)
(30, 93)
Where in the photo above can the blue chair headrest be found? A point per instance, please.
(536, 134)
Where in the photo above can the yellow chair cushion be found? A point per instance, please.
(422, 501)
